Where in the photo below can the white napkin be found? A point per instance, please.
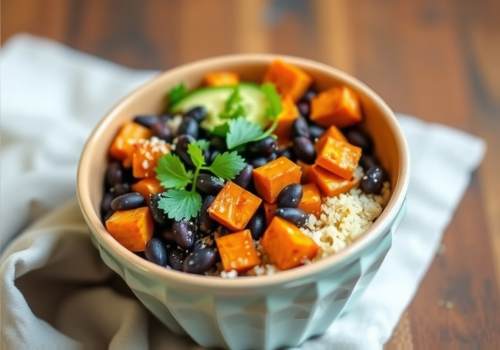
(54, 290)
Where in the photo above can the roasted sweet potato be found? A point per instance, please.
(338, 106)
(289, 80)
(147, 187)
(132, 228)
(123, 144)
(221, 79)
(286, 118)
(271, 178)
(286, 245)
(234, 206)
(338, 157)
(329, 183)
(332, 132)
(269, 211)
(237, 251)
(146, 155)
(306, 168)
(311, 199)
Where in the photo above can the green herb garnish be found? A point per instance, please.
(177, 93)
(234, 107)
(178, 202)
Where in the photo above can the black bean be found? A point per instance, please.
(304, 108)
(162, 131)
(128, 201)
(159, 216)
(197, 113)
(244, 177)
(176, 259)
(303, 148)
(294, 215)
(257, 225)
(360, 138)
(205, 223)
(181, 145)
(182, 232)
(315, 131)
(285, 152)
(156, 252)
(258, 162)
(146, 120)
(106, 210)
(273, 156)
(367, 161)
(264, 147)
(189, 126)
(119, 189)
(373, 180)
(309, 94)
(218, 143)
(165, 117)
(290, 196)
(209, 184)
(114, 174)
(212, 156)
(200, 261)
(300, 128)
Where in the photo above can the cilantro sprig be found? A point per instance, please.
(180, 203)
(177, 93)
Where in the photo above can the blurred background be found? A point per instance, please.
(438, 60)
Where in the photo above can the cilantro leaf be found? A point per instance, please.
(203, 144)
(242, 131)
(180, 204)
(234, 107)
(274, 100)
(220, 130)
(227, 165)
(177, 93)
(171, 172)
(196, 154)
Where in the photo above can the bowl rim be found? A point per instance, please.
(374, 233)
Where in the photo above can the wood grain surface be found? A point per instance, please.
(439, 60)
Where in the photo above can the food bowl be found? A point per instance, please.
(263, 312)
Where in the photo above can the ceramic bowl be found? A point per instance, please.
(264, 312)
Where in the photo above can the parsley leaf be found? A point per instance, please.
(242, 131)
(274, 100)
(196, 154)
(220, 130)
(180, 204)
(227, 165)
(203, 144)
(234, 107)
(177, 93)
(171, 172)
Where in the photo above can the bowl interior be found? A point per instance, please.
(380, 122)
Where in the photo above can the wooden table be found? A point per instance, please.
(439, 60)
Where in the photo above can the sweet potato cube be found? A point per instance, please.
(147, 187)
(286, 245)
(286, 118)
(338, 106)
(338, 157)
(237, 251)
(132, 228)
(146, 155)
(123, 144)
(289, 80)
(329, 183)
(306, 169)
(269, 211)
(221, 79)
(311, 199)
(234, 206)
(272, 177)
(332, 132)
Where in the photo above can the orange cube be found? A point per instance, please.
(147, 187)
(332, 132)
(338, 106)
(286, 245)
(289, 80)
(237, 251)
(311, 199)
(269, 211)
(234, 206)
(329, 183)
(286, 118)
(338, 157)
(272, 177)
(306, 169)
(221, 79)
(146, 155)
(131, 228)
(123, 144)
